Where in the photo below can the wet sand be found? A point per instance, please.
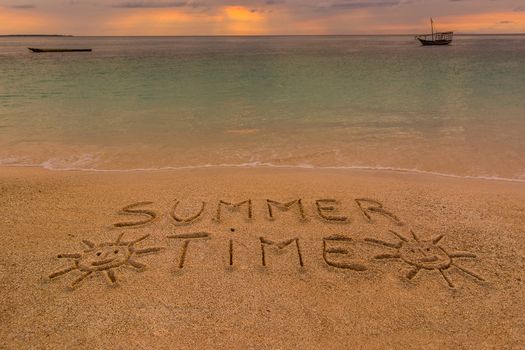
(300, 259)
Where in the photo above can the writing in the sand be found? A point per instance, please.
(419, 255)
(333, 249)
(327, 210)
(338, 251)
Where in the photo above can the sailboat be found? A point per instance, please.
(436, 38)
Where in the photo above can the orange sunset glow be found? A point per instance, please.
(257, 18)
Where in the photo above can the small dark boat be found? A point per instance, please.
(436, 38)
(58, 50)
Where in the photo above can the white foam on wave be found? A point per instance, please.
(51, 165)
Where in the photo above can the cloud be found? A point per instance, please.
(485, 22)
(360, 5)
(23, 6)
(156, 4)
(15, 21)
(520, 9)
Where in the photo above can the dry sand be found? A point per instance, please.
(358, 279)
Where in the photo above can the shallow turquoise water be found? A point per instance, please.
(378, 102)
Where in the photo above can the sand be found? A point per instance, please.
(366, 259)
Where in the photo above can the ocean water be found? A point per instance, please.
(327, 101)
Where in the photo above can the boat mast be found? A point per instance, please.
(432, 26)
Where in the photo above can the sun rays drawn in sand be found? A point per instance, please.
(424, 255)
(104, 258)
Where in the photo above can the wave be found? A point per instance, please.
(49, 166)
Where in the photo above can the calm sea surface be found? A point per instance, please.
(357, 102)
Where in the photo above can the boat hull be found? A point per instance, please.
(433, 42)
(58, 50)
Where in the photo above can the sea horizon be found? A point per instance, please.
(242, 35)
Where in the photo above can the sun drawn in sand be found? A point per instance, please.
(424, 255)
(104, 258)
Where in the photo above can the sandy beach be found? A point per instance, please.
(260, 258)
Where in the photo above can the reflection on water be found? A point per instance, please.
(299, 101)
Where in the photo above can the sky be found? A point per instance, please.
(258, 17)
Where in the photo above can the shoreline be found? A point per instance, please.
(387, 170)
